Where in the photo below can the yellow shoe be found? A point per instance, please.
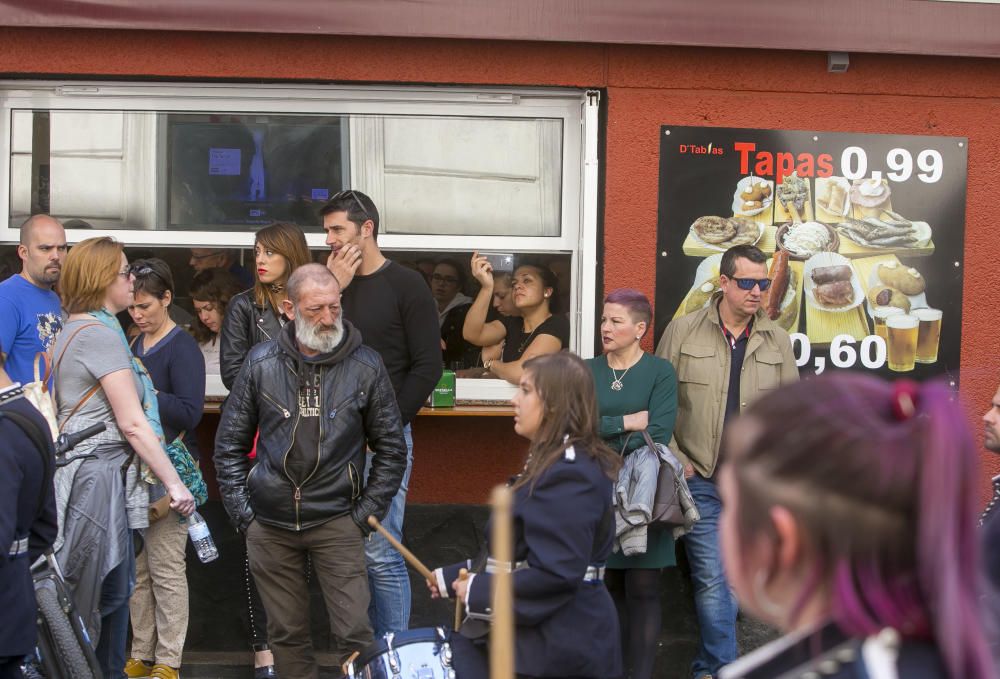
(164, 672)
(137, 668)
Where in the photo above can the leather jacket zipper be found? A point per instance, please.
(319, 450)
(284, 465)
(283, 409)
(298, 501)
(260, 326)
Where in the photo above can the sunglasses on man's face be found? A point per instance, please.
(748, 283)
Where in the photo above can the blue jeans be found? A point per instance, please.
(714, 601)
(115, 592)
(388, 580)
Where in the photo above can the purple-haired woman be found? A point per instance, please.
(636, 391)
(849, 522)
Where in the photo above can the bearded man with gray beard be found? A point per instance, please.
(316, 395)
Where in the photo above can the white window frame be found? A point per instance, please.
(577, 109)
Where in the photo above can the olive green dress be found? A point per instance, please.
(651, 384)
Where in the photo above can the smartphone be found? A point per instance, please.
(501, 261)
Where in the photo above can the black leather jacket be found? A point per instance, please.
(357, 405)
(246, 325)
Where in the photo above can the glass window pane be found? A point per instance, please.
(470, 176)
(234, 172)
(239, 171)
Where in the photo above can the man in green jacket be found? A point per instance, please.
(725, 355)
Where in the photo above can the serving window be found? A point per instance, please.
(167, 167)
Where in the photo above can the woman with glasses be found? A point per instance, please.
(159, 605)
(636, 392)
(849, 523)
(447, 284)
(210, 293)
(101, 495)
(537, 331)
(254, 316)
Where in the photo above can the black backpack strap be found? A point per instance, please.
(42, 444)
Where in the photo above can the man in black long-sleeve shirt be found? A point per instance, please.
(397, 316)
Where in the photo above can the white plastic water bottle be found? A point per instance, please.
(202, 538)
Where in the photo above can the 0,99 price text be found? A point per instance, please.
(845, 352)
(854, 164)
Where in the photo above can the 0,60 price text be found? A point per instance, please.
(843, 353)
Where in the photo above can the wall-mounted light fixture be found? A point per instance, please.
(837, 62)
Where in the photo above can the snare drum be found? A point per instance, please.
(422, 653)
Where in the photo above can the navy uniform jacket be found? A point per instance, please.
(21, 486)
(564, 626)
(829, 653)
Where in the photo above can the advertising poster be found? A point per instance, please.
(869, 229)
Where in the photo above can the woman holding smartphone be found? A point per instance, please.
(537, 331)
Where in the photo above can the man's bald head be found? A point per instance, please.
(307, 275)
(36, 222)
(42, 247)
(314, 305)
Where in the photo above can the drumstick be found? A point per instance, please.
(347, 663)
(463, 575)
(407, 554)
(502, 630)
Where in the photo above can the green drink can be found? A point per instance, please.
(443, 395)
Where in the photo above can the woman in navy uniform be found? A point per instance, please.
(27, 522)
(849, 522)
(566, 625)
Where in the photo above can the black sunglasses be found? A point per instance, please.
(350, 192)
(748, 283)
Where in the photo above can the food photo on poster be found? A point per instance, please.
(864, 235)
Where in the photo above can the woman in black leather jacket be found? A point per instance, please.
(254, 316)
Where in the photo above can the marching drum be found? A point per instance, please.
(422, 653)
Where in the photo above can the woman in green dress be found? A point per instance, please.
(635, 390)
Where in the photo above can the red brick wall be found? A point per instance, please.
(458, 459)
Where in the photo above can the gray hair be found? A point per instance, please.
(316, 274)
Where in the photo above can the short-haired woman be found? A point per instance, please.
(537, 331)
(564, 617)
(255, 316)
(849, 522)
(159, 605)
(636, 391)
(210, 293)
(97, 380)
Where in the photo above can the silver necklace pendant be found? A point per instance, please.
(616, 384)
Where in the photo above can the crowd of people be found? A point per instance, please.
(840, 510)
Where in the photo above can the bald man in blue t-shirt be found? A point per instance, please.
(30, 313)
